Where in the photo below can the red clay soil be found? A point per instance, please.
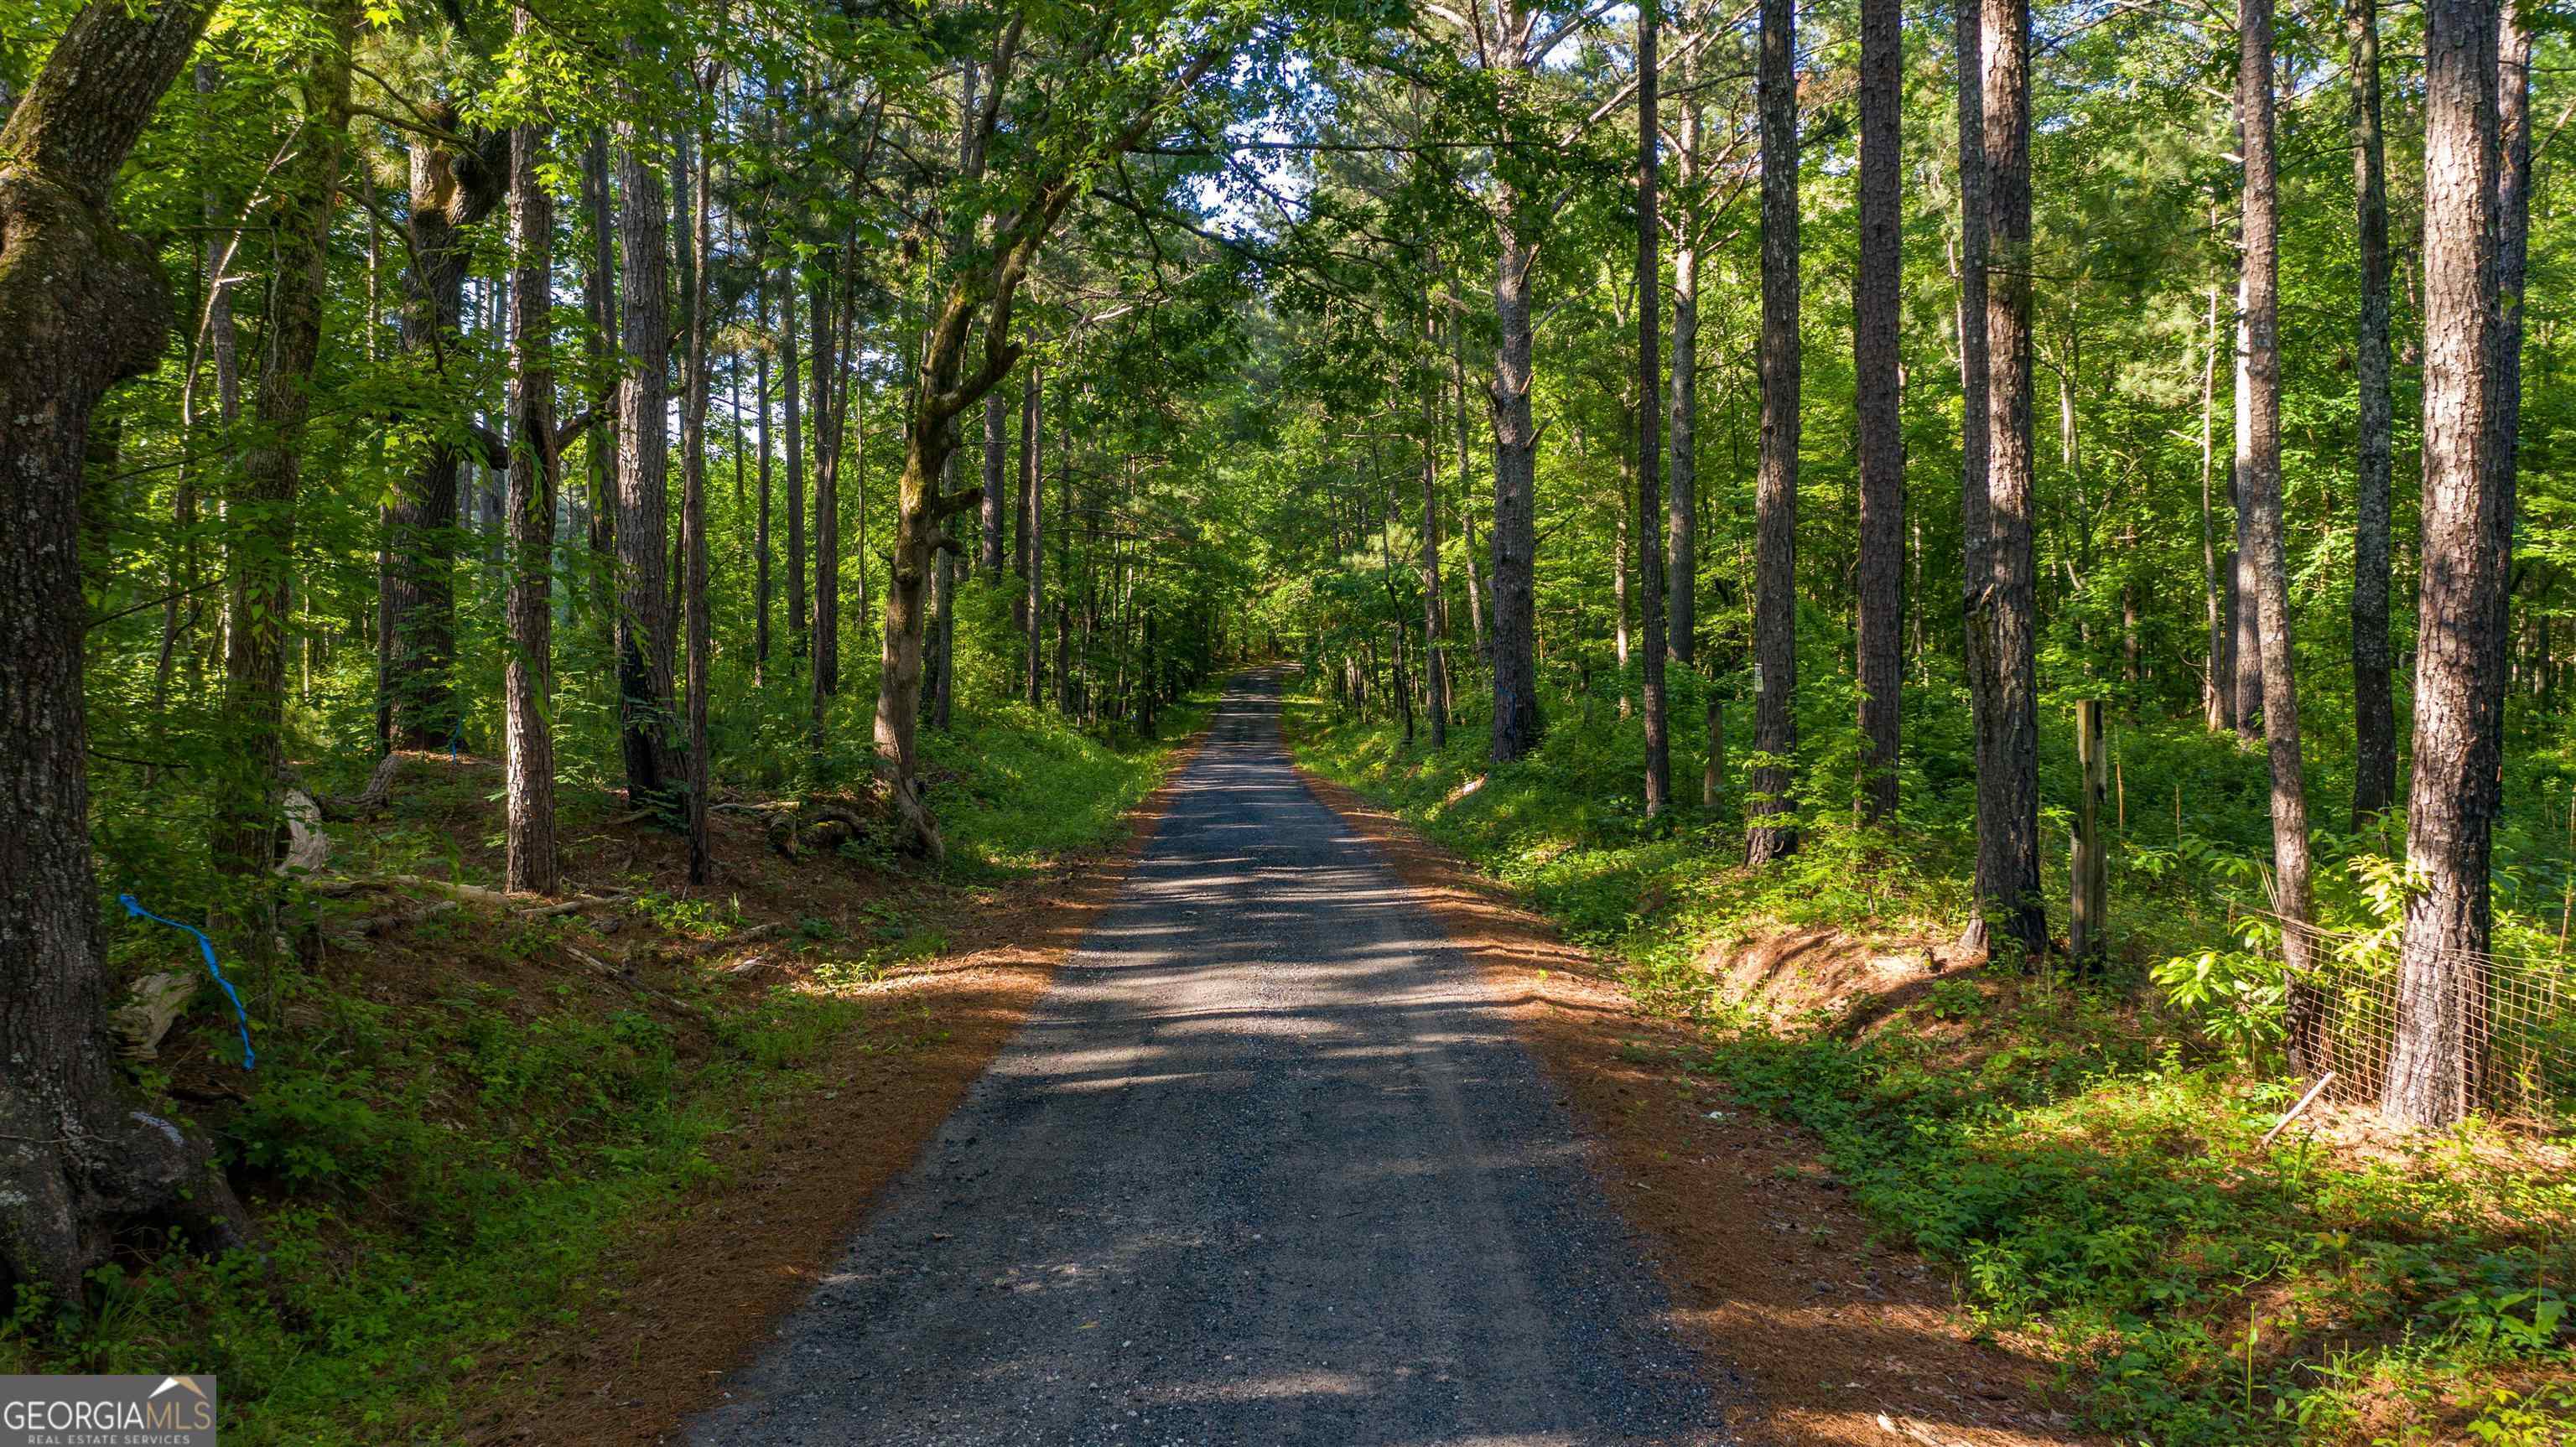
(699, 1292)
(1772, 1268)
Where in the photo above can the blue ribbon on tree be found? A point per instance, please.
(206, 947)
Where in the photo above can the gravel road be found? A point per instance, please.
(1265, 1166)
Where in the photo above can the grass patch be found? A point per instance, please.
(1013, 791)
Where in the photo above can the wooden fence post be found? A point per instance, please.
(2091, 864)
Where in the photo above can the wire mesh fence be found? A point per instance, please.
(2506, 1024)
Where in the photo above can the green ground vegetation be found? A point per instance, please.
(2079, 1152)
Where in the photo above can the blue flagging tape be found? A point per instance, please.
(452, 741)
(207, 948)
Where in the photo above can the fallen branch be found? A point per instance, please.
(753, 935)
(469, 893)
(2304, 1102)
(375, 925)
(573, 905)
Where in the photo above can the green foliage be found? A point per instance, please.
(2067, 1150)
(2236, 997)
(438, 1177)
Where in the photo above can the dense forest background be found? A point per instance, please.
(800, 410)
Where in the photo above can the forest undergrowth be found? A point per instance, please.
(2080, 1152)
(458, 1119)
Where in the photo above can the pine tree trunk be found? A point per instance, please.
(2008, 782)
(2261, 468)
(791, 383)
(1064, 559)
(530, 861)
(83, 305)
(2513, 230)
(1681, 523)
(2244, 587)
(1974, 503)
(599, 303)
(761, 546)
(1875, 304)
(1650, 446)
(2436, 1059)
(644, 632)
(823, 629)
(1771, 813)
(2374, 785)
(1467, 488)
(2217, 699)
(1032, 549)
(696, 259)
(1435, 603)
(260, 563)
(1517, 721)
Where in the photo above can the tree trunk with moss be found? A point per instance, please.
(82, 306)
